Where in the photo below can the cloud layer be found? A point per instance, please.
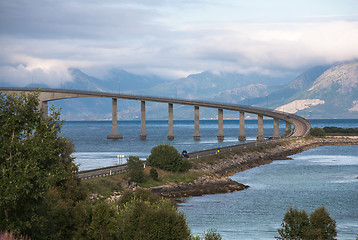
(40, 39)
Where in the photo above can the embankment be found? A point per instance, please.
(226, 164)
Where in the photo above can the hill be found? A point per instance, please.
(321, 92)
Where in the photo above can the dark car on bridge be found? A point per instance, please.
(185, 154)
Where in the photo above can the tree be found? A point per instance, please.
(297, 225)
(135, 169)
(153, 173)
(35, 165)
(104, 222)
(211, 234)
(322, 225)
(166, 157)
(146, 216)
(318, 132)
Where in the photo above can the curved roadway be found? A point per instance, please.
(301, 125)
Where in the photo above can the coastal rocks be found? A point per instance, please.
(129, 185)
(201, 186)
(240, 161)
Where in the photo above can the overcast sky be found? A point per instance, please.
(40, 39)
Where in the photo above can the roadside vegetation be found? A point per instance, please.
(333, 131)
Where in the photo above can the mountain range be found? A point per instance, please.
(320, 92)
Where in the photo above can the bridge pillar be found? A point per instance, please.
(170, 122)
(288, 128)
(196, 123)
(143, 135)
(242, 136)
(276, 132)
(44, 107)
(260, 126)
(115, 134)
(220, 135)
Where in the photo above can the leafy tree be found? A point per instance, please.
(318, 132)
(166, 157)
(135, 169)
(104, 222)
(153, 173)
(35, 166)
(145, 216)
(297, 225)
(322, 225)
(211, 234)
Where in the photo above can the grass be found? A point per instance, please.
(171, 177)
(108, 184)
(105, 185)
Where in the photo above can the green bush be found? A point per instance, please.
(103, 223)
(144, 216)
(318, 132)
(211, 234)
(166, 157)
(153, 174)
(341, 130)
(135, 169)
(297, 225)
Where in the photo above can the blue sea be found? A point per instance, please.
(320, 176)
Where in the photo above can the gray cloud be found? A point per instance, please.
(41, 38)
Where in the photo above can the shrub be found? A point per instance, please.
(318, 132)
(297, 225)
(322, 225)
(166, 157)
(211, 234)
(135, 169)
(150, 217)
(153, 174)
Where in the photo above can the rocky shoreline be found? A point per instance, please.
(226, 164)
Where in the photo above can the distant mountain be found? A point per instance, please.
(242, 93)
(321, 92)
(288, 92)
(126, 81)
(214, 86)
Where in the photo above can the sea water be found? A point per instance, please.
(320, 176)
(323, 176)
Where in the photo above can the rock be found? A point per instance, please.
(201, 186)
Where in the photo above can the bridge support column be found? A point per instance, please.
(196, 123)
(143, 135)
(170, 122)
(115, 134)
(44, 107)
(242, 136)
(288, 128)
(260, 126)
(276, 132)
(220, 135)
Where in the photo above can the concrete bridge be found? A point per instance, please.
(301, 125)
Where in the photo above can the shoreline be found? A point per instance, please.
(226, 164)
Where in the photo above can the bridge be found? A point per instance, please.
(300, 125)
